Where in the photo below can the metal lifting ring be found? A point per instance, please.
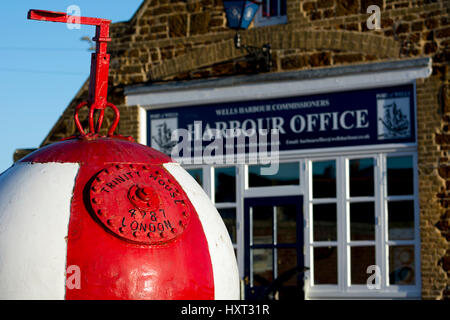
(116, 118)
(76, 118)
(92, 128)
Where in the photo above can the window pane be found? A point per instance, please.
(287, 174)
(362, 221)
(229, 218)
(324, 179)
(262, 267)
(361, 258)
(273, 8)
(287, 263)
(401, 220)
(286, 224)
(197, 174)
(401, 265)
(225, 184)
(324, 222)
(265, 9)
(361, 177)
(282, 7)
(400, 175)
(325, 265)
(262, 224)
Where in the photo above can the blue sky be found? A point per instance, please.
(42, 66)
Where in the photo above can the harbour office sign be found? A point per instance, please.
(340, 119)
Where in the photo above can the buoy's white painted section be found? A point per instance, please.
(226, 274)
(34, 217)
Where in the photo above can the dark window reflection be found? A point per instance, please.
(265, 10)
(401, 220)
(287, 174)
(401, 265)
(197, 174)
(361, 258)
(400, 175)
(282, 7)
(229, 218)
(262, 224)
(286, 224)
(287, 262)
(325, 265)
(324, 179)
(324, 222)
(362, 221)
(270, 8)
(225, 184)
(262, 267)
(273, 7)
(361, 177)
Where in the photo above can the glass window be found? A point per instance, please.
(287, 174)
(362, 221)
(225, 184)
(271, 12)
(262, 224)
(273, 247)
(361, 258)
(400, 175)
(325, 265)
(282, 7)
(361, 177)
(229, 218)
(401, 265)
(324, 179)
(324, 222)
(286, 224)
(287, 263)
(197, 174)
(401, 220)
(262, 266)
(344, 223)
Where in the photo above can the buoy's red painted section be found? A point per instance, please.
(113, 268)
(102, 150)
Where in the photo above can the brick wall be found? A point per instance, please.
(180, 40)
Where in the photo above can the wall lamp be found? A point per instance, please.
(240, 14)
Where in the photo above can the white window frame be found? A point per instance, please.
(271, 191)
(344, 289)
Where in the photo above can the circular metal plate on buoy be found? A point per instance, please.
(140, 203)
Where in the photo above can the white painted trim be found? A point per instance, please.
(240, 227)
(279, 89)
(272, 191)
(142, 118)
(35, 204)
(295, 155)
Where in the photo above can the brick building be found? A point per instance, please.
(338, 204)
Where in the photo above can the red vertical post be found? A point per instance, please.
(98, 84)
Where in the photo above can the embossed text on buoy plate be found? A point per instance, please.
(139, 203)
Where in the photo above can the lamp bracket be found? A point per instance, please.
(262, 56)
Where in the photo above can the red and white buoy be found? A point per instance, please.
(103, 217)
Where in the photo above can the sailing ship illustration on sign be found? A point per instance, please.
(395, 120)
(162, 134)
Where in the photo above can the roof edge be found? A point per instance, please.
(317, 73)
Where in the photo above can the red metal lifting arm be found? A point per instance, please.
(98, 85)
